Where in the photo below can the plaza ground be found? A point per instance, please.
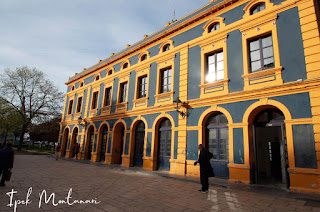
(120, 189)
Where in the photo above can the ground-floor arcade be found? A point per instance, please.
(262, 141)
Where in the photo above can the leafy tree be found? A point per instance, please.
(10, 121)
(31, 95)
(46, 131)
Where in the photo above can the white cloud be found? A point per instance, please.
(62, 37)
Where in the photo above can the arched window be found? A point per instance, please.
(143, 57)
(166, 48)
(72, 88)
(214, 27)
(217, 136)
(164, 144)
(97, 77)
(259, 7)
(126, 65)
(81, 84)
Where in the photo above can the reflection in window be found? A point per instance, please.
(258, 8)
(261, 53)
(214, 27)
(79, 104)
(215, 67)
(95, 100)
(125, 65)
(165, 80)
(142, 87)
(123, 92)
(166, 48)
(70, 107)
(217, 136)
(107, 97)
(143, 57)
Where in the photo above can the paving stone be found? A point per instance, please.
(122, 191)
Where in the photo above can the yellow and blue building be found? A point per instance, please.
(241, 77)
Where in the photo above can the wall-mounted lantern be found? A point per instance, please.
(178, 105)
(82, 122)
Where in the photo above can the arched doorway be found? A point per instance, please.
(65, 142)
(139, 144)
(90, 140)
(118, 143)
(103, 143)
(164, 144)
(74, 140)
(270, 147)
(217, 142)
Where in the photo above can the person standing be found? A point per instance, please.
(58, 147)
(206, 169)
(6, 162)
(76, 150)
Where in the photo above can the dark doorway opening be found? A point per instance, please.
(118, 143)
(139, 144)
(270, 148)
(74, 141)
(164, 145)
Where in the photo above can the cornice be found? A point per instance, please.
(148, 42)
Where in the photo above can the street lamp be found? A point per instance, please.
(178, 106)
(82, 122)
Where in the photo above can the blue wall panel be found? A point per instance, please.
(175, 149)
(150, 119)
(154, 50)
(90, 100)
(238, 146)
(235, 61)
(298, 104)
(188, 35)
(194, 115)
(304, 146)
(194, 66)
(192, 145)
(101, 95)
(291, 47)
(84, 102)
(129, 121)
(134, 60)
(131, 91)
(233, 15)
(176, 76)
(117, 67)
(149, 144)
(175, 116)
(109, 143)
(66, 109)
(114, 95)
(126, 148)
(152, 84)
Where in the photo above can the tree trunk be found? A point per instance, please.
(5, 137)
(22, 133)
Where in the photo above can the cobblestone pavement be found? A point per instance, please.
(126, 191)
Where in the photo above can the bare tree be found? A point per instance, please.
(32, 95)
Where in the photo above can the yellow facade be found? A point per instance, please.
(259, 87)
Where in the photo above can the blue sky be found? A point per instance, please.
(62, 37)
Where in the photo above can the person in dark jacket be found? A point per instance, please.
(6, 162)
(206, 170)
